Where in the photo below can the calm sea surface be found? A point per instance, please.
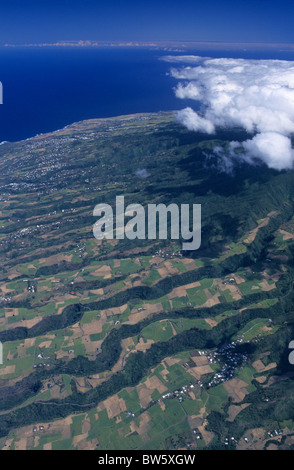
(45, 89)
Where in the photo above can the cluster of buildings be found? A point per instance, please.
(275, 433)
(80, 249)
(230, 440)
(166, 254)
(230, 359)
(27, 231)
(180, 394)
(35, 428)
(44, 360)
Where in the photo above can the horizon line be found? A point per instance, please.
(146, 43)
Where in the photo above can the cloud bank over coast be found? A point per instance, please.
(257, 95)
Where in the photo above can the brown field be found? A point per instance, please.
(233, 288)
(96, 379)
(94, 327)
(148, 309)
(156, 260)
(214, 300)
(198, 371)
(7, 444)
(10, 312)
(45, 344)
(13, 274)
(234, 410)
(266, 328)
(91, 346)
(104, 271)
(137, 283)
(25, 323)
(260, 367)
(97, 291)
(261, 379)
(54, 259)
(143, 427)
(170, 361)
(78, 440)
(266, 286)
(144, 345)
(5, 289)
(263, 223)
(166, 268)
(114, 311)
(29, 342)
(211, 322)
(234, 291)
(182, 290)
(207, 435)
(236, 389)
(114, 406)
(64, 354)
(21, 444)
(272, 447)
(188, 262)
(26, 438)
(7, 370)
(256, 438)
(146, 389)
(286, 235)
(238, 278)
(172, 327)
(88, 445)
(200, 360)
(22, 348)
(44, 289)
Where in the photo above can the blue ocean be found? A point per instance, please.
(45, 89)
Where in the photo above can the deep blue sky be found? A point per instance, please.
(30, 21)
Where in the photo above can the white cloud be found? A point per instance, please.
(273, 148)
(142, 173)
(194, 122)
(190, 91)
(257, 95)
(186, 59)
